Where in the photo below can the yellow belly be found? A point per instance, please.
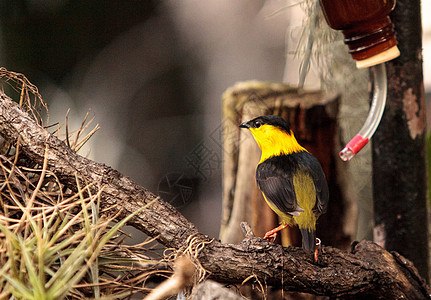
(306, 197)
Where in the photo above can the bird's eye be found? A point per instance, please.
(257, 124)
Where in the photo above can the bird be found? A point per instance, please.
(290, 178)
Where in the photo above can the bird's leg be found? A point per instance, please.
(318, 247)
(272, 234)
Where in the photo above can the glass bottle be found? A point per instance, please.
(367, 28)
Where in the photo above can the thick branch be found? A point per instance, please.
(162, 220)
(368, 270)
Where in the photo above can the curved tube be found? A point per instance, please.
(374, 116)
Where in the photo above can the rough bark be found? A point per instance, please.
(399, 168)
(368, 270)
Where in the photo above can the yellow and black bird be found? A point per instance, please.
(290, 178)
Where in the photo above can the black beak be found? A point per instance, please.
(244, 125)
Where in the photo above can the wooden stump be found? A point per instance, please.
(312, 116)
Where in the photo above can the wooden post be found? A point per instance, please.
(312, 116)
(399, 169)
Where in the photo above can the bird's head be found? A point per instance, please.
(273, 135)
(267, 124)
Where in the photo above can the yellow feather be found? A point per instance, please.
(306, 196)
(274, 141)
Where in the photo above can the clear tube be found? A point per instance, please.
(374, 116)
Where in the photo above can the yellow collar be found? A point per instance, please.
(273, 141)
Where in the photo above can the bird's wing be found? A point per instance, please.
(277, 186)
(321, 186)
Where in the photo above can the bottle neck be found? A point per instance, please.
(374, 38)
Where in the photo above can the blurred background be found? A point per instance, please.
(152, 74)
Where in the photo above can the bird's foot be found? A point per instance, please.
(272, 234)
(318, 249)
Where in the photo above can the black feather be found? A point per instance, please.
(268, 120)
(274, 178)
(308, 239)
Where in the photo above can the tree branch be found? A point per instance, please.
(163, 220)
(367, 270)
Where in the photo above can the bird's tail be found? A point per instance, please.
(308, 239)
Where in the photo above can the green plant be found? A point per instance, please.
(50, 243)
(53, 242)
